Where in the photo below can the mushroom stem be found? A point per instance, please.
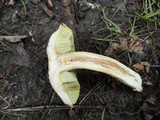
(62, 60)
(100, 63)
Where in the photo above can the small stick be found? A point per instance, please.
(86, 96)
(52, 107)
(155, 66)
(13, 39)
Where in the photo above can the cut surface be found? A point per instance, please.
(70, 84)
(107, 65)
(63, 59)
(65, 83)
(64, 42)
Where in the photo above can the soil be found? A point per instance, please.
(24, 79)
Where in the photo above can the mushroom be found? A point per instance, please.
(63, 60)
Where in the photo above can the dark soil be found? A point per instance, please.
(24, 80)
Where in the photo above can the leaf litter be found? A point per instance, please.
(151, 108)
(14, 16)
(43, 21)
(148, 115)
(11, 2)
(50, 4)
(133, 45)
(20, 56)
(48, 11)
(142, 66)
(13, 39)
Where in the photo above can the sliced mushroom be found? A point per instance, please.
(63, 60)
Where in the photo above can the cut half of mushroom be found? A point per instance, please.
(63, 60)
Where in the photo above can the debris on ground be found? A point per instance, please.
(151, 108)
(133, 45)
(142, 66)
(20, 56)
(13, 39)
(11, 2)
(35, 1)
(48, 11)
(44, 21)
(14, 16)
(25, 28)
(50, 4)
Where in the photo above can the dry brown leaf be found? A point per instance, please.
(11, 2)
(123, 44)
(111, 48)
(48, 11)
(138, 67)
(122, 7)
(14, 16)
(147, 66)
(69, 11)
(66, 3)
(43, 21)
(135, 45)
(150, 108)
(120, 45)
(13, 39)
(142, 66)
(50, 3)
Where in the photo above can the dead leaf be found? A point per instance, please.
(48, 11)
(66, 3)
(13, 39)
(142, 66)
(151, 107)
(50, 3)
(14, 16)
(147, 66)
(135, 45)
(21, 57)
(123, 44)
(138, 67)
(120, 45)
(69, 12)
(11, 2)
(43, 21)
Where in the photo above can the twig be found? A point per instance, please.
(69, 11)
(103, 113)
(50, 3)
(13, 38)
(48, 11)
(52, 107)
(86, 96)
(155, 66)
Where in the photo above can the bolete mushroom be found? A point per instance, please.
(63, 60)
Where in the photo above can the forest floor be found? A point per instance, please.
(126, 30)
